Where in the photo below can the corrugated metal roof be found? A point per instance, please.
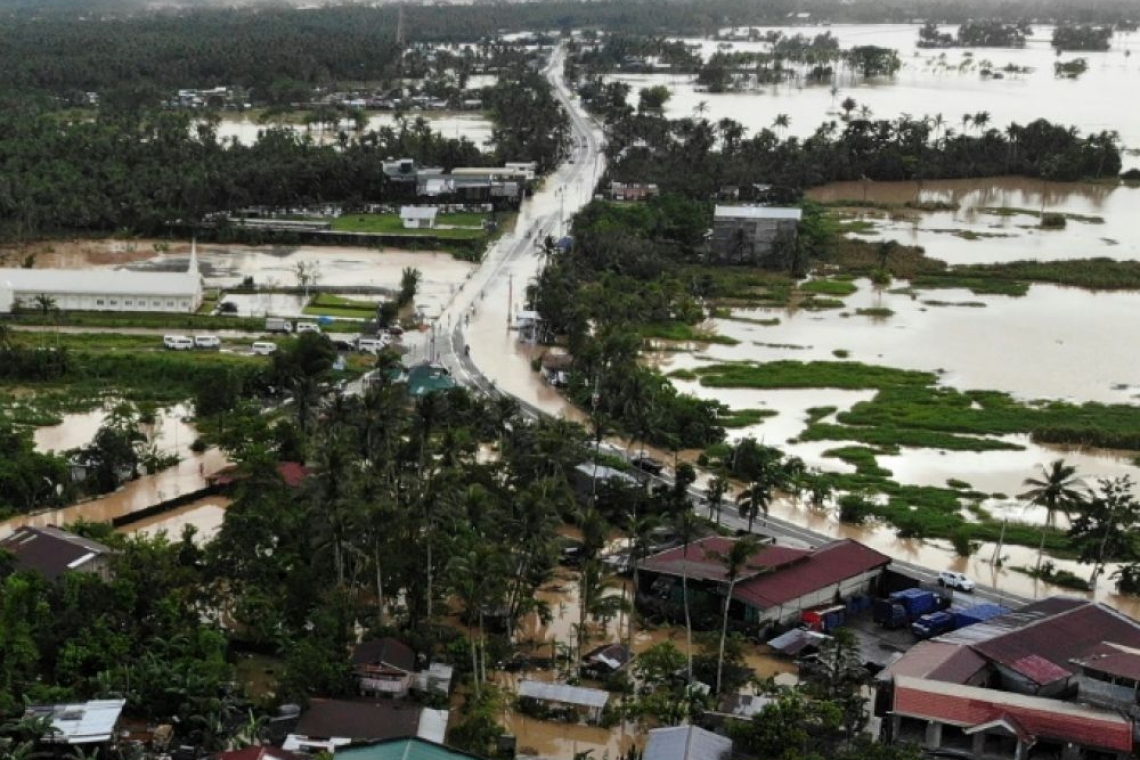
(418, 212)
(701, 563)
(827, 566)
(402, 749)
(109, 282)
(605, 472)
(564, 693)
(1058, 639)
(1114, 660)
(50, 551)
(757, 212)
(686, 743)
(433, 725)
(82, 722)
(970, 706)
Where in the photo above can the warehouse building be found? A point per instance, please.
(102, 289)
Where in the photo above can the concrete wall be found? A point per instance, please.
(742, 240)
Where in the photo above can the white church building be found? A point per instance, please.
(103, 289)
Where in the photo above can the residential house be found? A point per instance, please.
(51, 552)
(418, 217)
(403, 749)
(606, 660)
(563, 698)
(80, 723)
(260, 753)
(632, 191)
(331, 723)
(428, 378)
(752, 234)
(591, 479)
(1053, 679)
(972, 722)
(383, 667)
(686, 743)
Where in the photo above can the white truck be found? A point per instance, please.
(278, 325)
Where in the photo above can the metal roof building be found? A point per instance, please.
(757, 212)
(80, 723)
(686, 743)
(51, 552)
(104, 289)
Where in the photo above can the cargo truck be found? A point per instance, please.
(938, 623)
(902, 608)
(278, 325)
(825, 619)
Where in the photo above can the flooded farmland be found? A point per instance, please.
(930, 82)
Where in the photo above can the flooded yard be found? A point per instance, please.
(471, 125)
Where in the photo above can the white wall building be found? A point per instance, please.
(418, 217)
(103, 289)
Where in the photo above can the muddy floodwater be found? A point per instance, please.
(270, 266)
(172, 434)
(997, 219)
(930, 82)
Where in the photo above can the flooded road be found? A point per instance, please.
(982, 230)
(930, 82)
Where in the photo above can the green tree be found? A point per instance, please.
(1057, 489)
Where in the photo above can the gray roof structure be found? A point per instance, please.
(418, 212)
(564, 694)
(80, 723)
(758, 212)
(686, 743)
(110, 282)
(50, 551)
(604, 472)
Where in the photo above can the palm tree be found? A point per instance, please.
(717, 489)
(981, 119)
(1058, 489)
(782, 122)
(701, 108)
(734, 560)
(848, 105)
(44, 303)
(755, 499)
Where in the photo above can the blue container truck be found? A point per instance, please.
(902, 608)
(979, 613)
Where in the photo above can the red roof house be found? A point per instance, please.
(971, 712)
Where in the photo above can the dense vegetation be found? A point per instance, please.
(142, 171)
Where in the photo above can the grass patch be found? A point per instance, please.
(156, 320)
(680, 331)
(875, 312)
(794, 374)
(683, 374)
(959, 485)
(1051, 574)
(841, 353)
(829, 287)
(820, 304)
(817, 413)
(773, 322)
(964, 304)
(896, 436)
(740, 418)
(1008, 211)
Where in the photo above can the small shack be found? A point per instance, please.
(606, 660)
(418, 217)
(539, 696)
(82, 723)
(383, 667)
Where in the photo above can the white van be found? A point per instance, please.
(263, 348)
(207, 341)
(178, 342)
(373, 345)
(302, 327)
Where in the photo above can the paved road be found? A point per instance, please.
(541, 216)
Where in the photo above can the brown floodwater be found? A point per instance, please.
(205, 515)
(973, 233)
(930, 82)
(172, 433)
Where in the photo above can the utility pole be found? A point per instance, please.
(510, 296)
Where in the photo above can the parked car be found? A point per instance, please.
(278, 325)
(178, 342)
(304, 327)
(207, 341)
(374, 345)
(950, 579)
(228, 308)
(263, 348)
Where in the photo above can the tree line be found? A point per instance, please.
(142, 170)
